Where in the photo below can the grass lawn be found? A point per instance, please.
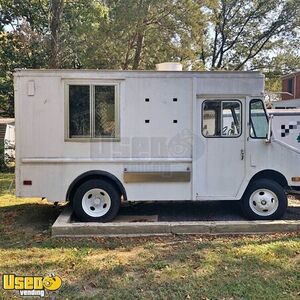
(193, 267)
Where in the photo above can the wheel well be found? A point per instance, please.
(95, 175)
(270, 174)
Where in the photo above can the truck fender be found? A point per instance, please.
(95, 174)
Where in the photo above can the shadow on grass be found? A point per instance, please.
(30, 224)
(22, 223)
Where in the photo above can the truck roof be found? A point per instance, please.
(136, 73)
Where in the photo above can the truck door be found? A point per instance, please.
(219, 164)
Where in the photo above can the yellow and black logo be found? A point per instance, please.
(31, 285)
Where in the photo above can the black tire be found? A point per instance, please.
(269, 185)
(112, 192)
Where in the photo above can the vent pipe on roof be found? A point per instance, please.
(169, 66)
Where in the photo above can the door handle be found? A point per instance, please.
(242, 154)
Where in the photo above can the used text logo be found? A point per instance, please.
(31, 285)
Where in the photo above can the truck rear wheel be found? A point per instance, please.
(264, 199)
(96, 200)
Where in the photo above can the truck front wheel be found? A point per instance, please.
(264, 199)
(96, 200)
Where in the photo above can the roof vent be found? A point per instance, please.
(169, 66)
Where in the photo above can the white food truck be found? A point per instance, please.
(97, 138)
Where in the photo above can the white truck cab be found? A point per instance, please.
(96, 138)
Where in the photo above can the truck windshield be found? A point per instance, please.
(258, 119)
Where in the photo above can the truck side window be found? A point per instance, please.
(79, 111)
(104, 111)
(231, 118)
(221, 118)
(92, 112)
(210, 117)
(258, 119)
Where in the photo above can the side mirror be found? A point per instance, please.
(269, 136)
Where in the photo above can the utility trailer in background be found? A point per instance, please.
(96, 138)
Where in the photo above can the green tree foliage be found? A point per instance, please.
(243, 30)
(39, 34)
(286, 60)
(80, 30)
(22, 33)
(19, 49)
(137, 34)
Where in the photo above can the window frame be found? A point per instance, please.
(250, 119)
(222, 100)
(92, 138)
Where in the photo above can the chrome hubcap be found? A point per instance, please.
(263, 202)
(96, 202)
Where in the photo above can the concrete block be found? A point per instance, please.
(191, 227)
(126, 226)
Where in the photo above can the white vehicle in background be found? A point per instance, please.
(7, 139)
(9, 145)
(286, 104)
(96, 138)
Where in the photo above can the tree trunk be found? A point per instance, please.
(129, 48)
(56, 9)
(138, 51)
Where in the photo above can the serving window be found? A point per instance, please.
(92, 112)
